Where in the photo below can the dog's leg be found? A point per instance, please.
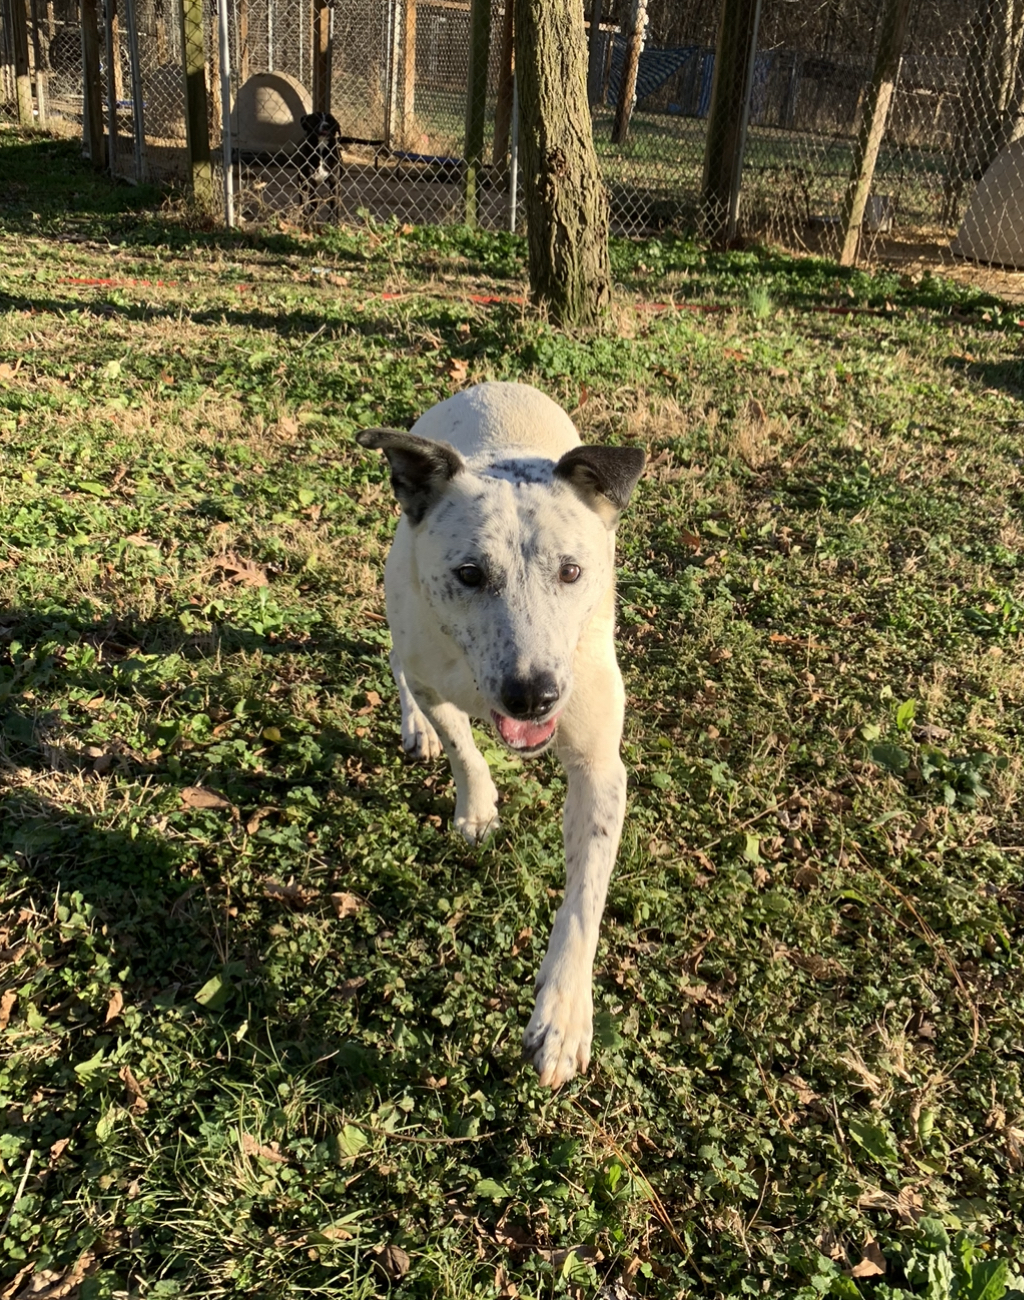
(419, 739)
(476, 799)
(560, 1031)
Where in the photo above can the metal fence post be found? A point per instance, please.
(227, 151)
(727, 120)
(513, 166)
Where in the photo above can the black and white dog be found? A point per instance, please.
(319, 157)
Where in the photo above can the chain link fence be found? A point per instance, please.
(341, 109)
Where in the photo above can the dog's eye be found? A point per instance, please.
(569, 573)
(470, 575)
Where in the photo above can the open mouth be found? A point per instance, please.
(524, 736)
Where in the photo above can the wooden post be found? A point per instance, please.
(40, 65)
(506, 81)
(594, 64)
(392, 109)
(321, 56)
(476, 101)
(727, 121)
(872, 126)
(92, 107)
(109, 17)
(409, 75)
(22, 71)
(138, 110)
(243, 42)
(627, 83)
(197, 118)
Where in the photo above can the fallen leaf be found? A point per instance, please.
(195, 796)
(805, 1094)
(458, 370)
(245, 572)
(756, 412)
(349, 988)
(820, 968)
(136, 1101)
(346, 905)
(392, 1262)
(520, 940)
(586, 1254)
(252, 1147)
(873, 1262)
(6, 1007)
(47, 1284)
(797, 643)
(336, 1234)
(58, 1149)
(253, 824)
(114, 1006)
(503, 1284)
(293, 893)
(806, 877)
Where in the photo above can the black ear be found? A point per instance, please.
(420, 468)
(308, 123)
(603, 476)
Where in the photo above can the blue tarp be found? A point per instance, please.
(658, 65)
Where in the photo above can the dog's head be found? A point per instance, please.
(320, 126)
(514, 560)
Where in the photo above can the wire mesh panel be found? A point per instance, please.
(955, 105)
(361, 112)
(163, 90)
(653, 163)
(347, 109)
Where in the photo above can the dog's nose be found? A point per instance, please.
(530, 697)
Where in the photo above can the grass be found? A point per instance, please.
(261, 1012)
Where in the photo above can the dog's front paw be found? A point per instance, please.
(419, 739)
(476, 809)
(557, 1039)
(475, 828)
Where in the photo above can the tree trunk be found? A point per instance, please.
(565, 198)
(727, 119)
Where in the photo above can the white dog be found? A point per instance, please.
(501, 599)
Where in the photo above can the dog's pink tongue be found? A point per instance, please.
(518, 734)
